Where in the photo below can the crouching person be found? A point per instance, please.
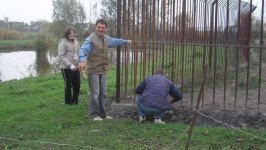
(152, 95)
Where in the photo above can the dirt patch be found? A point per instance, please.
(183, 115)
(233, 118)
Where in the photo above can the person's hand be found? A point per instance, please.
(73, 68)
(130, 42)
(81, 66)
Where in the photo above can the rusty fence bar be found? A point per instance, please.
(118, 53)
(183, 36)
(260, 58)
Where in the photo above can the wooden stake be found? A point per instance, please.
(194, 115)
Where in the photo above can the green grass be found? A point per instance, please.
(16, 44)
(32, 110)
(26, 43)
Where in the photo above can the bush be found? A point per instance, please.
(9, 34)
(43, 42)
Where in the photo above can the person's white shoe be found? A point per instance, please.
(142, 119)
(159, 121)
(97, 119)
(108, 117)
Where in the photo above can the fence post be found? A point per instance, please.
(194, 116)
(215, 2)
(118, 52)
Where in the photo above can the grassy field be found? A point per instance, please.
(16, 44)
(33, 113)
(27, 43)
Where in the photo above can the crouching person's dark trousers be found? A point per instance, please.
(144, 110)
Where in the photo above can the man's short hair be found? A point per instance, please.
(101, 21)
(159, 71)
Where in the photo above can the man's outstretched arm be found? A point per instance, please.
(113, 42)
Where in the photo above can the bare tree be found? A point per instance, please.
(109, 13)
(69, 12)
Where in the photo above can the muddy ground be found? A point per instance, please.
(183, 115)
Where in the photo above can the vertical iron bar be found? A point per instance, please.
(157, 36)
(261, 43)
(138, 37)
(129, 63)
(182, 46)
(134, 47)
(118, 52)
(153, 34)
(211, 33)
(215, 54)
(226, 49)
(176, 38)
(248, 52)
(150, 36)
(141, 42)
(204, 47)
(197, 30)
(193, 51)
(130, 58)
(168, 27)
(186, 41)
(172, 40)
(163, 33)
(124, 62)
(237, 51)
(143, 34)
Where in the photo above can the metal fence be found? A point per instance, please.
(183, 36)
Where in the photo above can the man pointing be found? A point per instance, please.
(95, 52)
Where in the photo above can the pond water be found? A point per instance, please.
(18, 64)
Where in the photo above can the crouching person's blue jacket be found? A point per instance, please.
(154, 91)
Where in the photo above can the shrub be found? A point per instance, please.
(42, 42)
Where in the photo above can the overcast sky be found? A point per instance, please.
(33, 10)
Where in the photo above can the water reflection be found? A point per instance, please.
(42, 63)
(21, 64)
